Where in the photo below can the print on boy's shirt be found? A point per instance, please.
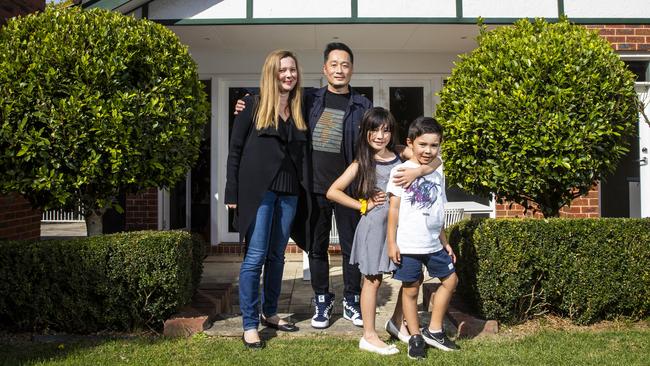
(422, 193)
(328, 133)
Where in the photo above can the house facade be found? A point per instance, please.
(17, 218)
(404, 51)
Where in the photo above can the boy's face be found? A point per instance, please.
(425, 147)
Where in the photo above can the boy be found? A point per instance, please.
(416, 236)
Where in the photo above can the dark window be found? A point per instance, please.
(640, 69)
(406, 104)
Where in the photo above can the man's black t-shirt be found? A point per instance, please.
(327, 141)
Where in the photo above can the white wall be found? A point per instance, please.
(607, 8)
(407, 8)
(301, 9)
(510, 8)
(197, 9)
(250, 62)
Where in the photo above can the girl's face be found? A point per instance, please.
(288, 74)
(380, 137)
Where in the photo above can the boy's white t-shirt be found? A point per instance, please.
(421, 211)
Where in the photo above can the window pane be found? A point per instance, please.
(406, 104)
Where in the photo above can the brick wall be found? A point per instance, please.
(625, 37)
(11, 8)
(142, 210)
(18, 221)
(583, 207)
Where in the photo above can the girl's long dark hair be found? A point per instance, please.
(372, 120)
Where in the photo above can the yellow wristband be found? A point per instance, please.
(364, 206)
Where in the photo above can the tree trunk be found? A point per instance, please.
(94, 225)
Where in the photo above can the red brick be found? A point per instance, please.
(624, 31)
(642, 32)
(614, 39)
(589, 209)
(635, 39)
(607, 32)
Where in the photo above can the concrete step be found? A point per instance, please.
(209, 301)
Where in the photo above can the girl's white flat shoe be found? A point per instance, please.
(384, 351)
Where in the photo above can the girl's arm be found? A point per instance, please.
(405, 176)
(391, 232)
(336, 192)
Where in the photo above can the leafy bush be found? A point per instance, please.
(117, 282)
(583, 269)
(536, 114)
(92, 104)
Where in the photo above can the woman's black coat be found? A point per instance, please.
(254, 159)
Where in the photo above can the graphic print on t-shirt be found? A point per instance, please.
(422, 193)
(328, 133)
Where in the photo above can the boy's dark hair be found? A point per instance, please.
(422, 125)
(337, 46)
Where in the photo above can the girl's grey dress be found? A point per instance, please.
(369, 248)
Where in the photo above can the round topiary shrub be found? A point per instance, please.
(94, 103)
(536, 114)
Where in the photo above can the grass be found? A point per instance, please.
(621, 346)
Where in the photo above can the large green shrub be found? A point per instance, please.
(92, 104)
(116, 282)
(583, 269)
(536, 114)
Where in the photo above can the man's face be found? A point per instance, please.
(338, 69)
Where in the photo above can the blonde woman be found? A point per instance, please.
(264, 179)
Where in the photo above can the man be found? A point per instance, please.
(333, 114)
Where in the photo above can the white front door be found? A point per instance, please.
(644, 151)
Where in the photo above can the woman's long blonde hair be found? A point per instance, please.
(268, 108)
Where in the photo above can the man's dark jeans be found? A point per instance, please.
(346, 223)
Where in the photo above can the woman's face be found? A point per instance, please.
(379, 138)
(288, 74)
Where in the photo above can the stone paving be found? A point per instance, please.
(296, 297)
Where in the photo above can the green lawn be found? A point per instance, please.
(546, 347)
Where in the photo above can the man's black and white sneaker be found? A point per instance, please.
(416, 347)
(394, 332)
(352, 310)
(323, 306)
(438, 340)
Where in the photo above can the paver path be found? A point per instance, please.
(295, 298)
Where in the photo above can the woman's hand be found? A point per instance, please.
(378, 199)
(233, 206)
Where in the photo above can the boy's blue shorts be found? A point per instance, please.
(438, 265)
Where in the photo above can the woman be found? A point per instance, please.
(264, 173)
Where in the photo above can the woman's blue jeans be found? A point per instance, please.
(266, 239)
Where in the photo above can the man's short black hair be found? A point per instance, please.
(337, 46)
(422, 125)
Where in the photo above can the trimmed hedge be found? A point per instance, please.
(584, 269)
(112, 282)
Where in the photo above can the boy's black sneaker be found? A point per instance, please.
(438, 340)
(416, 347)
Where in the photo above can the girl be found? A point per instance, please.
(263, 182)
(376, 157)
